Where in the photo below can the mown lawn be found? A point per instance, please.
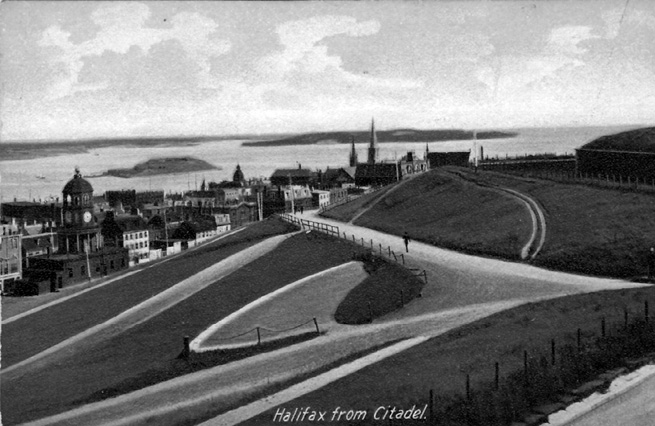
(590, 230)
(147, 353)
(441, 364)
(347, 211)
(445, 211)
(41, 330)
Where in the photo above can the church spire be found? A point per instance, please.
(373, 146)
(353, 153)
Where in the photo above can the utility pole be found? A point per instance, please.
(293, 207)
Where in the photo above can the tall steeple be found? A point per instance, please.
(373, 146)
(353, 153)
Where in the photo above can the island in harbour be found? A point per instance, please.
(161, 166)
(383, 136)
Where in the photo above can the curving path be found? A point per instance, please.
(538, 235)
(460, 289)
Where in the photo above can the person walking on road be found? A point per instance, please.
(406, 240)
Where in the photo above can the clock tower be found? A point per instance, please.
(79, 228)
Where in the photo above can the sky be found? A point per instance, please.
(75, 70)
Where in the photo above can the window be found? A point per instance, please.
(70, 272)
(123, 263)
(83, 270)
(111, 264)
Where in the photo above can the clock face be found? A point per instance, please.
(87, 217)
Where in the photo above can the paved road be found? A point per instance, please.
(460, 289)
(634, 407)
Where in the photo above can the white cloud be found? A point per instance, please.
(565, 40)
(121, 28)
(305, 71)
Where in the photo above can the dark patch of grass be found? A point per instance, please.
(439, 209)
(195, 362)
(387, 289)
(594, 231)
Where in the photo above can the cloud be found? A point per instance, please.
(565, 40)
(304, 70)
(122, 27)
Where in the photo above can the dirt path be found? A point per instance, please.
(143, 311)
(460, 289)
(538, 235)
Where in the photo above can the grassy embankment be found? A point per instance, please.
(147, 353)
(588, 230)
(41, 330)
(347, 211)
(441, 364)
(444, 211)
(592, 231)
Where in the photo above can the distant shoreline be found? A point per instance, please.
(383, 136)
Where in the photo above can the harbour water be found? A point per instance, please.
(40, 178)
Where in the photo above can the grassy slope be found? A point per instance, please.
(442, 363)
(347, 211)
(39, 331)
(155, 344)
(382, 290)
(446, 212)
(590, 230)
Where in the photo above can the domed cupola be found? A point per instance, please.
(78, 202)
(238, 175)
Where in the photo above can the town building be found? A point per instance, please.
(410, 164)
(440, 159)
(11, 268)
(341, 177)
(320, 198)
(299, 176)
(80, 231)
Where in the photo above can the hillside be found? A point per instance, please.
(384, 136)
(639, 140)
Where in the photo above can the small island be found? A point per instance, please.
(162, 166)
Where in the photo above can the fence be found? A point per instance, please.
(560, 371)
(310, 224)
(334, 231)
(274, 335)
(619, 182)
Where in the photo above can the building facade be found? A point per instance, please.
(11, 268)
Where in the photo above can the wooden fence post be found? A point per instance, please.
(431, 408)
(316, 324)
(187, 349)
(259, 337)
(497, 376)
(646, 311)
(525, 367)
(625, 317)
(468, 387)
